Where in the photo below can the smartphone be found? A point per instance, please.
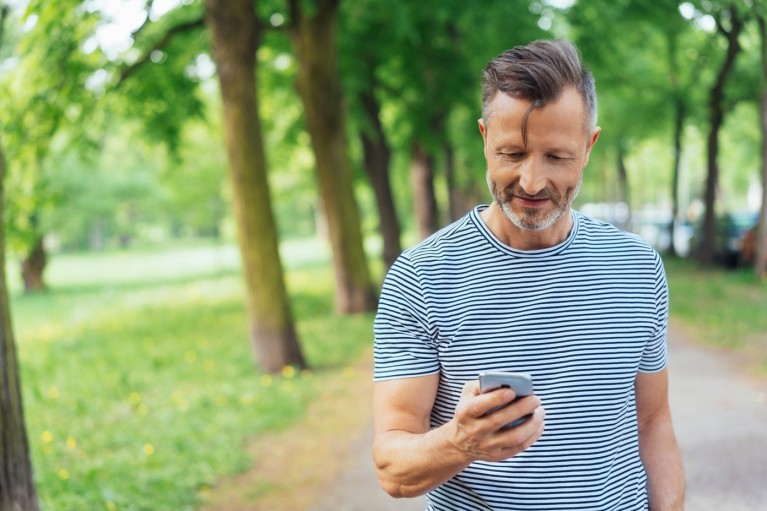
(520, 383)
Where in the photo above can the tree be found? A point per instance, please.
(640, 94)
(313, 32)
(45, 82)
(729, 25)
(236, 34)
(760, 261)
(17, 485)
(364, 48)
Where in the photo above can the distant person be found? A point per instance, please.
(528, 284)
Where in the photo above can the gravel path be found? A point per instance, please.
(720, 417)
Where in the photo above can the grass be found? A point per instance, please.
(723, 308)
(139, 382)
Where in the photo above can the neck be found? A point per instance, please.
(525, 239)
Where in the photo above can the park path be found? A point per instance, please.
(720, 417)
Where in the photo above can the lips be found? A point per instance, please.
(530, 202)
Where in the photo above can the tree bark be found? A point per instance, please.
(760, 259)
(236, 35)
(17, 485)
(623, 181)
(33, 266)
(377, 157)
(707, 249)
(456, 197)
(679, 116)
(424, 198)
(313, 36)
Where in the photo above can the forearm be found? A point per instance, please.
(411, 464)
(663, 463)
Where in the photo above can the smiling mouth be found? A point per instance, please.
(530, 202)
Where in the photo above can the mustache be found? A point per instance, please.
(515, 190)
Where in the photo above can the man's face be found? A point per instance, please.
(534, 185)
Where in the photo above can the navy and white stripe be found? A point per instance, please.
(582, 317)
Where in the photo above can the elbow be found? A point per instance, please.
(399, 491)
(393, 485)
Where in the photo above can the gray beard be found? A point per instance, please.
(531, 221)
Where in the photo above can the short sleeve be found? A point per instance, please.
(655, 354)
(404, 341)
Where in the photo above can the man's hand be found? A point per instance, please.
(412, 458)
(481, 437)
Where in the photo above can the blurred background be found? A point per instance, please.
(201, 199)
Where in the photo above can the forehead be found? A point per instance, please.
(562, 118)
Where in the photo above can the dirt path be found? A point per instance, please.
(720, 416)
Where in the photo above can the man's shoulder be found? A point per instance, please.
(453, 239)
(597, 232)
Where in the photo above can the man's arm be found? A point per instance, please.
(411, 458)
(657, 443)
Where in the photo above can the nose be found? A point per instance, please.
(532, 176)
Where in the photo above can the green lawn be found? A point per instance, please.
(139, 382)
(724, 308)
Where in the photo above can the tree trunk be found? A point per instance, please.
(623, 181)
(422, 181)
(17, 485)
(377, 156)
(707, 248)
(33, 266)
(236, 36)
(679, 116)
(319, 85)
(760, 260)
(455, 197)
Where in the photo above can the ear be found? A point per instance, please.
(592, 141)
(483, 131)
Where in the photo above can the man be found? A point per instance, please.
(528, 285)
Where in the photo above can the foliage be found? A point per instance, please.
(41, 92)
(139, 390)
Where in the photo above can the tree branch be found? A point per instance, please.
(148, 9)
(164, 41)
(294, 11)
(5, 9)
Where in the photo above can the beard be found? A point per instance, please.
(533, 219)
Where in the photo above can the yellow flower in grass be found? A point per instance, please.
(288, 372)
(148, 450)
(47, 437)
(134, 398)
(266, 380)
(53, 392)
(63, 474)
(111, 506)
(71, 443)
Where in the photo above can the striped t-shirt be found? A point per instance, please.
(583, 317)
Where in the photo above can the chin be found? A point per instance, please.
(531, 220)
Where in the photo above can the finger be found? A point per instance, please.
(517, 410)
(471, 388)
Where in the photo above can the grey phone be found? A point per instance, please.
(520, 383)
